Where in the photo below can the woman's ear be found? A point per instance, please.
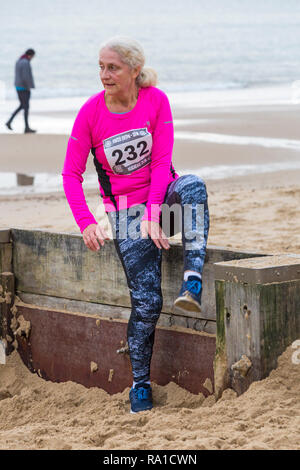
(137, 71)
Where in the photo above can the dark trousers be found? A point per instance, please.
(141, 261)
(24, 97)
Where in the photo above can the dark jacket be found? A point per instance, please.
(23, 74)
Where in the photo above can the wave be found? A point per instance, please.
(238, 140)
(172, 88)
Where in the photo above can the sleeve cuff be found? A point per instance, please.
(85, 223)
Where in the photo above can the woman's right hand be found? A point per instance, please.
(91, 234)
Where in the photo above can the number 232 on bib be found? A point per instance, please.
(129, 151)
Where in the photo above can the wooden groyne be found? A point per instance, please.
(66, 310)
(258, 316)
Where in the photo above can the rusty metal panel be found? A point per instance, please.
(62, 345)
(7, 295)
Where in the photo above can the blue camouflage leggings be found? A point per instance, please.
(141, 260)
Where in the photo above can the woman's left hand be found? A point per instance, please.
(154, 230)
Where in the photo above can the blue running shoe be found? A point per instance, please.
(140, 398)
(190, 294)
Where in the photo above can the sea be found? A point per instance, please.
(194, 45)
(206, 53)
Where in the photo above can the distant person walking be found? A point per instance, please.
(23, 83)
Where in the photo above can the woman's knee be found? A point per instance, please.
(193, 180)
(147, 307)
(192, 188)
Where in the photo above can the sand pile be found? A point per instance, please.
(36, 414)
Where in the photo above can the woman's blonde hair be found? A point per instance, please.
(132, 54)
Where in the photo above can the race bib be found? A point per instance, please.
(129, 151)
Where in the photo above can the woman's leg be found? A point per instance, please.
(141, 261)
(189, 191)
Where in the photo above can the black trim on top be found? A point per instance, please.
(103, 179)
(172, 170)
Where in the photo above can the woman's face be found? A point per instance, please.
(116, 76)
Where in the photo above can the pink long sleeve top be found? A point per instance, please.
(132, 155)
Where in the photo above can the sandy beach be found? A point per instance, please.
(258, 210)
(256, 207)
(36, 414)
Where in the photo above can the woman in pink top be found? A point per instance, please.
(128, 127)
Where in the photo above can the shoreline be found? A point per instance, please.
(255, 93)
(203, 138)
(251, 208)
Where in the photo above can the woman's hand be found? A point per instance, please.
(91, 234)
(155, 232)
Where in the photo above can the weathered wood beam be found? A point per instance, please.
(258, 316)
(59, 264)
(5, 251)
(5, 235)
